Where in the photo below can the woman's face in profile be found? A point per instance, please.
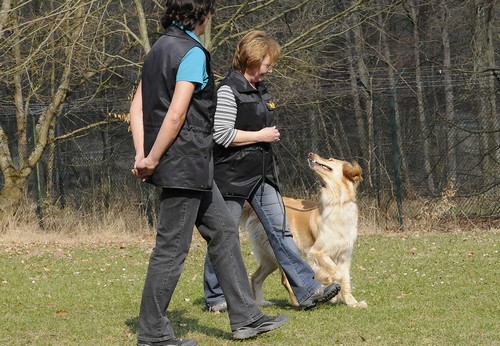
(257, 74)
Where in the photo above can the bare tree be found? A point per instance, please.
(339, 60)
(414, 11)
(17, 170)
(394, 79)
(4, 12)
(484, 63)
(50, 49)
(362, 93)
(449, 95)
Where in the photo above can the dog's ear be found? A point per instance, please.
(352, 171)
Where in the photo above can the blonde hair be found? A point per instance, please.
(253, 48)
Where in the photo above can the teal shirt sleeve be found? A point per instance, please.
(193, 68)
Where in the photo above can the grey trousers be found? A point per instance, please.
(180, 210)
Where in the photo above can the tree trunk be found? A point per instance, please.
(356, 100)
(21, 111)
(143, 28)
(487, 114)
(393, 81)
(361, 94)
(414, 14)
(11, 194)
(451, 138)
(4, 14)
(15, 175)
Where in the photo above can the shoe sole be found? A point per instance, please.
(190, 342)
(245, 332)
(322, 299)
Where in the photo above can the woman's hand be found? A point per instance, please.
(143, 168)
(269, 134)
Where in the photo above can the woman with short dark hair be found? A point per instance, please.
(172, 123)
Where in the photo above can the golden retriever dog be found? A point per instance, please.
(325, 231)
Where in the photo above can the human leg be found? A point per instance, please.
(268, 205)
(221, 233)
(178, 210)
(214, 297)
(219, 230)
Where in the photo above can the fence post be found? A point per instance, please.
(378, 155)
(37, 175)
(58, 167)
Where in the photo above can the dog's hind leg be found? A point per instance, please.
(265, 268)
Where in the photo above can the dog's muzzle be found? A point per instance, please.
(313, 163)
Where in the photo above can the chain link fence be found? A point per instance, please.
(415, 167)
(444, 170)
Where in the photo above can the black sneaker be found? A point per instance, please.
(262, 325)
(219, 307)
(321, 295)
(171, 342)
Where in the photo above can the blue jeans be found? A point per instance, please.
(180, 211)
(268, 205)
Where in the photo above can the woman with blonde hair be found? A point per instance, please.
(244, 129)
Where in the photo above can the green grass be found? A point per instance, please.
(428, 289)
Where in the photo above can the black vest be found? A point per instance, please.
(239, 170)
(188, 162)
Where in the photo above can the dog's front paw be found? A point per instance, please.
(362, 304)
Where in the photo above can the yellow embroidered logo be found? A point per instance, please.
(271, 105)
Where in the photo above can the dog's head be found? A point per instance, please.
(333, 171)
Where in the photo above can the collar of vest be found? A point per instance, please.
(174, 30)
(241, 84)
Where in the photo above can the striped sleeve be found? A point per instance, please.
(225, 117)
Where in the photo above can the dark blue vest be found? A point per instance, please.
(239, 170)
(188, 163)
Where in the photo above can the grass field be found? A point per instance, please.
(421, 289)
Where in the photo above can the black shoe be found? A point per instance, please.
(263, 324)
(219, 307)
(171, 342)
(321, 295)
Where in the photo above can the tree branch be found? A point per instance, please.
(83, 129)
